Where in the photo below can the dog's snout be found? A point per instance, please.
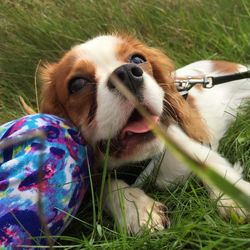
(129, 75)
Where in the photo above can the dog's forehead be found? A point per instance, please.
(101, 51)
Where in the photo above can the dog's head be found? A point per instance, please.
(80, 87)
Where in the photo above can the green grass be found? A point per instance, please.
(35, 31)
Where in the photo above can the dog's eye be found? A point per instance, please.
(137, 59)
(77, 84)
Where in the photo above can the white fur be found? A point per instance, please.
(101, 52)
(153, 94)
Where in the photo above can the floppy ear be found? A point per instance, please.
(175, 105)
(49, 100)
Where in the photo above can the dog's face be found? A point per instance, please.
(80, 87)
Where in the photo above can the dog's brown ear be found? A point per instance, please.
(49, 99)
(188, 116)
(175, 106)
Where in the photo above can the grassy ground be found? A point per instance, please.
(32, 32)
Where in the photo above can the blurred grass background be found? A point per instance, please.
(33, 32)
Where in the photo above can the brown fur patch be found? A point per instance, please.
(129, 47)
(83, 69)
(53, 76)
(79, 107)
(225, 67)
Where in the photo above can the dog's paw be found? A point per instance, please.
(229, 209)
(143, 213)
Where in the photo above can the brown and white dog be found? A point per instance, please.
(79, 87)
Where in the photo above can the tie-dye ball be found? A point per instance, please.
(64, 160)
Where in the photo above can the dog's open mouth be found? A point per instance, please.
(135, 131)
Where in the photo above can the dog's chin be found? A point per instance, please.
(119, 145)
(131, 139)
(133, 153)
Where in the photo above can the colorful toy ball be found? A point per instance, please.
(57, 167)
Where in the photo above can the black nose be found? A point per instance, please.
(131, 76)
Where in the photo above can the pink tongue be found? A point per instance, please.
(139, 126)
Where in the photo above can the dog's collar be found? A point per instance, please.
(130, 172)
(151, 171)
(184, 85)
(136, 174)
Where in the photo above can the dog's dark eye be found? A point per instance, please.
(137, 59)
(77, 84)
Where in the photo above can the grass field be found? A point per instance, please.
(32, 32)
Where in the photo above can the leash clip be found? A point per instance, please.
(208, 82)
(190, 82)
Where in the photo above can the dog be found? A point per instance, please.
(80, 87)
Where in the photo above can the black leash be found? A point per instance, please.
(183, 86)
